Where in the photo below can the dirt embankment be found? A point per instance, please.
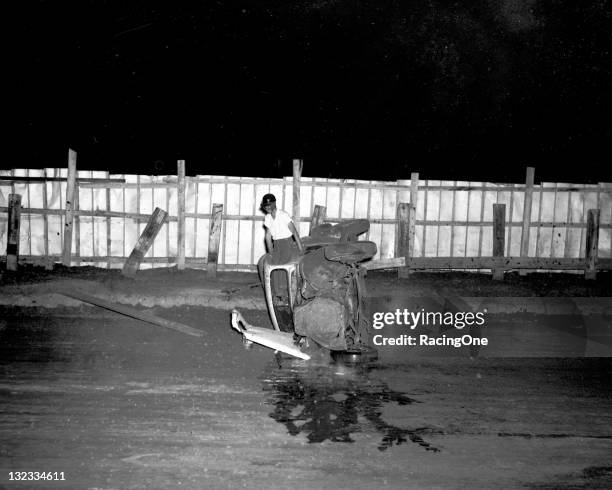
(35, 287)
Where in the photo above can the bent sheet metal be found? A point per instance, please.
(279, 341)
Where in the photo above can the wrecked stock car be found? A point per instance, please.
(317, 301)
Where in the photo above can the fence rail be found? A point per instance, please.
(452, 221)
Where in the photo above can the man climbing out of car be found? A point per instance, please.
(283, 242)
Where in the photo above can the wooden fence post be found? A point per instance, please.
(414, 188)
(180, 263)
(414, 199)
(108, 225)
(77, 224)
(69, 211)
(49, 261)
(403, 232)
(145, 241)
(592, 244)
(213, 240)
(318, 216)
(297, 174)
(411, 232)
(499, 238)
(528, 199)
(14, 224)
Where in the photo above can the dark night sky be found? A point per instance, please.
(359, 89)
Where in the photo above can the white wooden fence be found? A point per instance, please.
(453, 218)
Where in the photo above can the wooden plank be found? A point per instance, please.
(543, 263)
(467, 229)
(69, 209)
(438, 224)
(38, 260)
(503, 263)
(223, 227)
(354, 200)
(368, 208)
(423, 244)
(416, 263)
(167, 230)
(210, 207)
(547, 224)
(46, 219)
(400, 196)
(386, 221)
(283, 192)
(510, 217)
(93, 223)
(13, 183)
(28, 216)
(147, 237)
(255, 207)
(25, 180)
(170, 181)
(537, 244)
(403, 234)
(14, 226)
(385, 263)
(552, 234)
(498, 187)
(527, 204)
(297, 175)
(566, 246)
(61, 221)
(396, 228)
(180, 264)
(138, 203)
(144, 316)
(597, 198)
(480, 231)
(99, 213)
(382, 228)
(592, 244)
(499, 231)
(213, 240)
(77, 224)
(153, 207)
(108, 229)
(414, 199)
(318, 216)
(394, 184)
(199, 263)
(239, 223)
(124, 224)
(312, 204)
(411, 229)
(195, 221)
(583, 218)
(452, 228)
(414, 188)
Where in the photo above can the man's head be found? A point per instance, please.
(268, 203)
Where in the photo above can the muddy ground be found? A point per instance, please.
(379, 282)
(118, 404)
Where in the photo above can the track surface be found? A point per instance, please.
(114, 403)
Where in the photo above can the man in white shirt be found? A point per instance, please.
(280, 232)
(282, 239)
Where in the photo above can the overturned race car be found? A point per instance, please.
(319, 301)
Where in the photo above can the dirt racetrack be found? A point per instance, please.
(118, 404)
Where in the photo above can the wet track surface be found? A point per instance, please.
(114, 403)
(332, 402)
